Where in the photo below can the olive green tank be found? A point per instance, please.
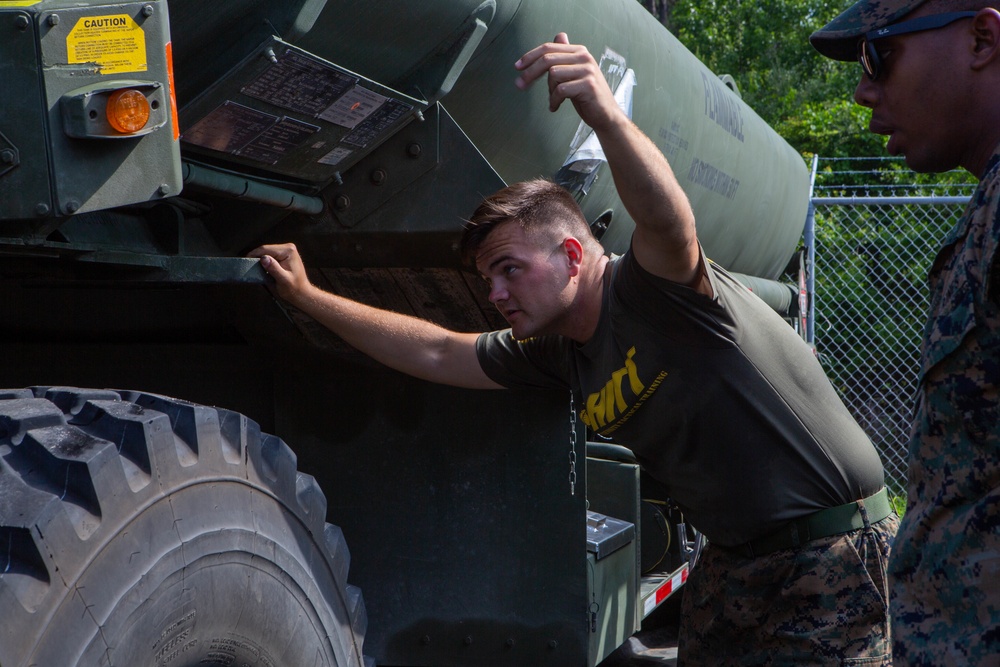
(749, 188)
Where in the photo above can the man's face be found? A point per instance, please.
(530, 280)
(918, 98)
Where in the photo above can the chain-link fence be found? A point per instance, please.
(877, 229)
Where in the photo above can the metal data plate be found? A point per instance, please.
(285, 111)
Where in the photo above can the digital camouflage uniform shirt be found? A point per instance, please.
(945, 564)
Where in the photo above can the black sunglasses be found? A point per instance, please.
(868, 55)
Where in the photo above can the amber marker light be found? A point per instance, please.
(128, 110)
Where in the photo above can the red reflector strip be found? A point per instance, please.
(665, 590)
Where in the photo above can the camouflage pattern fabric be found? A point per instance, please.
(838, 39)
(945, 568)
(824, 603)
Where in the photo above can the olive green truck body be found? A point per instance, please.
(364, 132)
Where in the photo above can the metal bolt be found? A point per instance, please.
(7, 156)
(72, 206)
(164, 189)
(553, 644)
(419, 114)
(21, 22)
(269, 53)
(337, 178)
(53, 20)
(509, 643)
(147, 10)
(468, 640)
(378, 177)
(425, 640)
(342, 202)
(414, 150)
(41, 209)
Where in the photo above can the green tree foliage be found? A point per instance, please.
(764, 45)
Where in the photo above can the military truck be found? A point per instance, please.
(158, 517)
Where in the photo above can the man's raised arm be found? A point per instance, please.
(665, 242)
(408, 344)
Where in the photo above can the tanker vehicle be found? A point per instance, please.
(145, 148)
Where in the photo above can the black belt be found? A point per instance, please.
(831, 521)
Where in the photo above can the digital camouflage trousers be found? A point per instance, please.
(824, 603)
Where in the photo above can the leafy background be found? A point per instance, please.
(764, 45)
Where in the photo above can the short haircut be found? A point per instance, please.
(540, 206)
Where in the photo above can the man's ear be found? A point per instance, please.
(574, 254)
(986, 31)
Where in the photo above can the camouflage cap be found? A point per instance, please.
(838, 39)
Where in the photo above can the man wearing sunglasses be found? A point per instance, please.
(931, 75)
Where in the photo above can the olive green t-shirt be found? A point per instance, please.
(719, 398)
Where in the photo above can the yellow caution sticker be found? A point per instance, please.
(115, 42)
(18, 3)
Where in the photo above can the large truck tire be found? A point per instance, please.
(138, 530)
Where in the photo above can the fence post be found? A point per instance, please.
(809, 236)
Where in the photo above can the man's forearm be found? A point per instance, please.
(408, 344)
(665, 241)
(645, 181)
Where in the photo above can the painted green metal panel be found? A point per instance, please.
(24, 168)
(85, 53)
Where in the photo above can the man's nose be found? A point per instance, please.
(498, 292)
(866, 92)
